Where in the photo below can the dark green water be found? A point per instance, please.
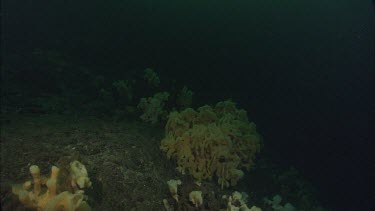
(304, 70)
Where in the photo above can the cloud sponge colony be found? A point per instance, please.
(212, 142)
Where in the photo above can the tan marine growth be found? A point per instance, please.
(212, 141)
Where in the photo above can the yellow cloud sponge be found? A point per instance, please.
(212, 141)
(45, 195)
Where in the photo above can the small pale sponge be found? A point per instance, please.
(79, 176)
(196, 198)
(172, 184)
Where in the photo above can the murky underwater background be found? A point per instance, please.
(73, 77)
